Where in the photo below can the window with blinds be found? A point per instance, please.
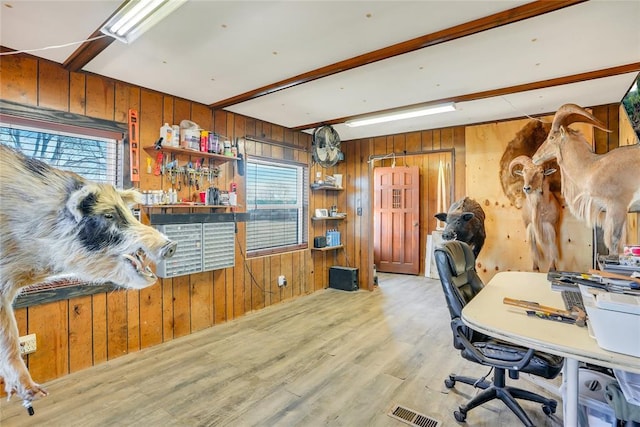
(95, 158)
(277, 204)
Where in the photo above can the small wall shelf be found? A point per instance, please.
(327, 248)
(326, 188)
(328, 218)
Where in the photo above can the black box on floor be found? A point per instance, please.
(343, 278)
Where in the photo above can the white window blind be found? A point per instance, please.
(277, 203)
(95, 158)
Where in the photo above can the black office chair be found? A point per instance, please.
(460, 283)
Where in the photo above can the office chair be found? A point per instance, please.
(460, 283)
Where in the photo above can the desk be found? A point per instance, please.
(486, 313)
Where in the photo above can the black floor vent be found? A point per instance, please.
(412, 418)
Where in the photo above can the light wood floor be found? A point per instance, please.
(333, 358)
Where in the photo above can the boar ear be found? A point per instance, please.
(441, 216)
(467, 216)
(131, 197)
(82, 201)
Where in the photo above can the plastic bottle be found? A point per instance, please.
(166, 133)
(175, 142)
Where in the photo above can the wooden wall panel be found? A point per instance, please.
(167, 309)
(53, 86)
(201, 301)
(19, 79)
(219, 296)
(117, 330)
(167, 112)
(133, 321)
(258, 290)
(181, 306)
(239, 279)
(151, 309)
(80, 336)
(99, 327)
(77, 93)
(150, 117)
(50, 323)
(126, 97)
(229, 290)
(100, 99)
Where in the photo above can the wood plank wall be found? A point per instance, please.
(423, 149)
(81, 332)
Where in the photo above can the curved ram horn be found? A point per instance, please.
(572, 113)
(520, 160)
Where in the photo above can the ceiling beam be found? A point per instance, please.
(91, 48)
(87, 51)
(576, 78)
(499, 19)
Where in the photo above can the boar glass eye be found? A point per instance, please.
(108, 215)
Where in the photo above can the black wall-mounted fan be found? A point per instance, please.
(326, 146)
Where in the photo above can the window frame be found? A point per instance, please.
(114, 174)
(302, 194)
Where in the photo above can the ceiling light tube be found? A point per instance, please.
(137, 16)
(401, 115)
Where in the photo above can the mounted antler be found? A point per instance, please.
(572, 113)
(523, 161)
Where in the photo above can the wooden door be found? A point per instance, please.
(396, 213)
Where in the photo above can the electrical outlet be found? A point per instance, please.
(282, 281)
(28, 344)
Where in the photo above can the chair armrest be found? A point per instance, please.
(458, 327)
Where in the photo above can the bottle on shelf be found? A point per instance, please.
(166, 133)
(175, 141)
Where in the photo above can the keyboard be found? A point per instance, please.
(572, 299)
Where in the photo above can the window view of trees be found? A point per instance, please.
(92, 158)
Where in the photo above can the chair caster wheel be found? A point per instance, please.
(460, 416)
(450, 382)
(550, 408)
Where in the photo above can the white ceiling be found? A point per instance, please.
(209, 51)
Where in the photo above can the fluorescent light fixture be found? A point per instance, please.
(137, 16)
(400, 115)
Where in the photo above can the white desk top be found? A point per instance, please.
(487, 313)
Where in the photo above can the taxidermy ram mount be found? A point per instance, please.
(526, 142)
(326, 146)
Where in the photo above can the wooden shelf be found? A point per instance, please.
(177, 150)
(327, 218)
(326, 188)
(327, 248)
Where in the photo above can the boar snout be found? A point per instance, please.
(449, 235)
(168, 250)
